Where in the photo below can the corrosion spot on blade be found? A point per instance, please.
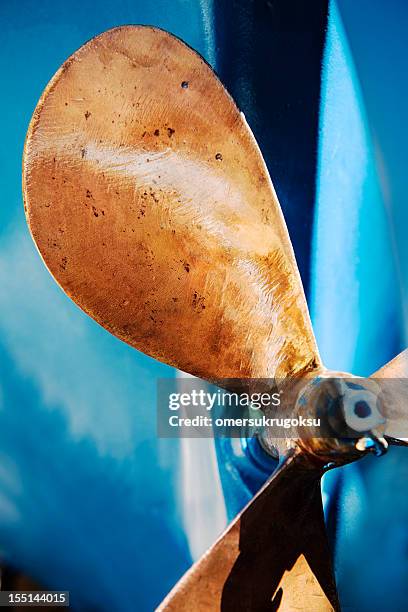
(198, 302)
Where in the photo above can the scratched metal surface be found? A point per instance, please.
(151, 205)
(273, 554)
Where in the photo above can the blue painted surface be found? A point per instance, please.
(359, 276)
(380, 50)
(352, 304)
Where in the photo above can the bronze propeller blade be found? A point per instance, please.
(275, 555)
(150, 202)
(395, 398)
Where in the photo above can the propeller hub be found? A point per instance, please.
(350, 412)
(347, 419)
